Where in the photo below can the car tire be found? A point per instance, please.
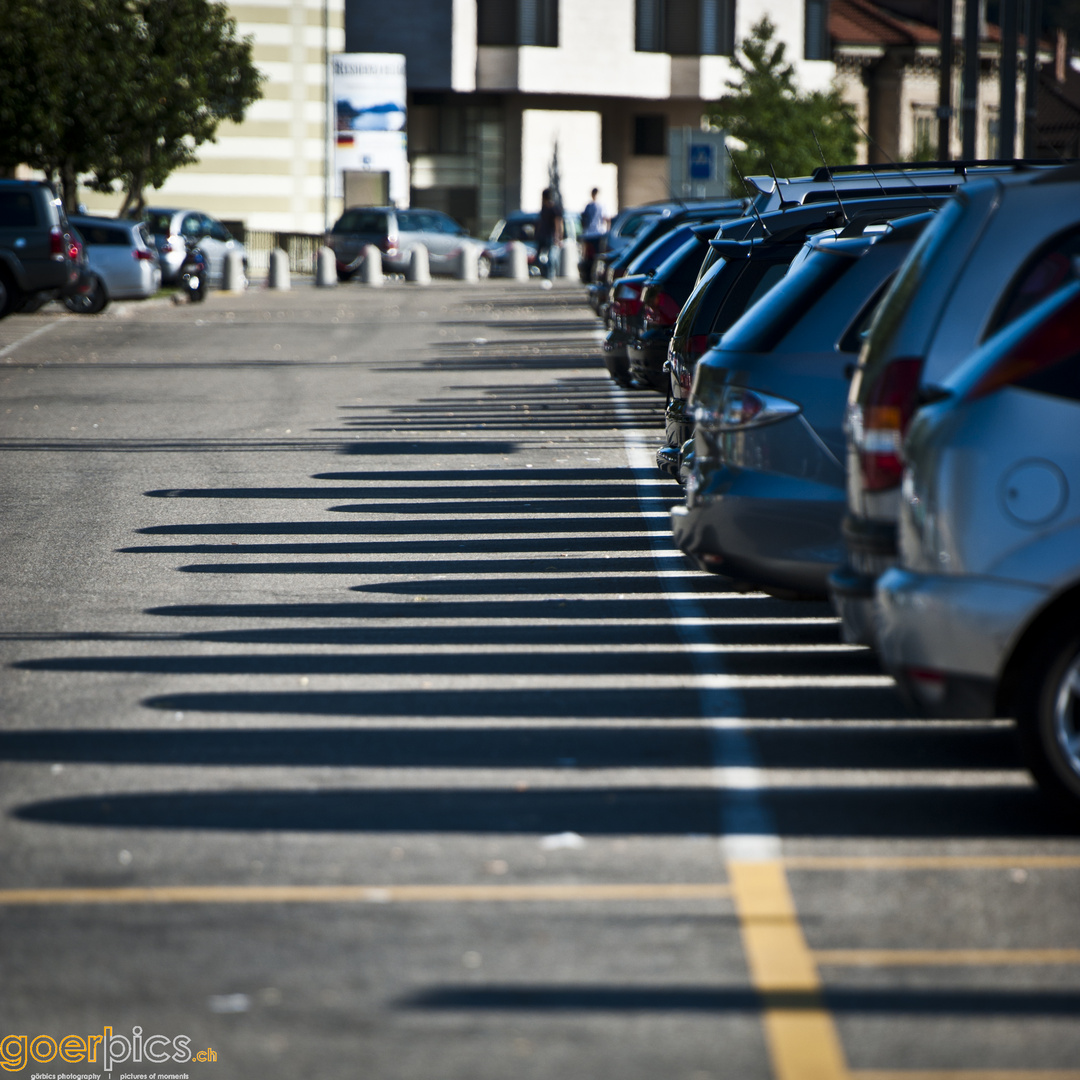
(94, 300)
(345, 275)
(1048, 718)
(8, 295)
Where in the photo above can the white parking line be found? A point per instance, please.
(7, 349)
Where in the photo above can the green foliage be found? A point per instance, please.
(778, 124)
(123, 91)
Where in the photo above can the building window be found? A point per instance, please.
(926, 133)
(993, 136)
(650, 135)
(685, 27)
(817, 30)
(517, 22)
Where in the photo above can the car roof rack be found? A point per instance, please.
(827, 172)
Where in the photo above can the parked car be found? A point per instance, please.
(747, 258)
(997, 248)
(173, 229)
(766, 493)
(39, 253)
(121, 256)
(979, 616)
(520, 225)
(394, 232)
(623, 228)
(614, 265)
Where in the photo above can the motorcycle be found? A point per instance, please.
(193, 273)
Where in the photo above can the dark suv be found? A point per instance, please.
(39, 253)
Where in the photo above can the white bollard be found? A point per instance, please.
(519, 261)
(325, 268)
(232, 274)
(468, 262)
(419, 268)
(371, 270)
(568, 259)
(279, 269)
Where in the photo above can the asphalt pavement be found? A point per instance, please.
(359, 719)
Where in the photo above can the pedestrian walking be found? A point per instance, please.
(549, 233)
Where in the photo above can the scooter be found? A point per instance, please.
(193, 273)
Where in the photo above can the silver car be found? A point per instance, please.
(980, 616)
(996, 249)
(394, 232)
(172, 230)
(121, 254)
(766, 493)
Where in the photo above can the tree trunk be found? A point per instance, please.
(69, 187)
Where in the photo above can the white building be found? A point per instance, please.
(268, 172)
(497, 89)
(500, 88)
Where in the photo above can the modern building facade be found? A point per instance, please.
(504, 93)
(270, 171)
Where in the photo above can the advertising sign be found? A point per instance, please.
(369, 119)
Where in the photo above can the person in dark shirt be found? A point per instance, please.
(549, 233)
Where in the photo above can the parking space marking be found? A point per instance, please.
(946, 957)
(800, 1032)
(366, 894)
(7, 349)
(932, 862)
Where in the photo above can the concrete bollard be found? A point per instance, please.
(519, 261)
(232, 274)
(568, 259)
(279, 269)
(467, 267)
(371, 269)
(419, 268)
(325, 268)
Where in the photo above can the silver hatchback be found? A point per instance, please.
(980, 617)
(121, 254)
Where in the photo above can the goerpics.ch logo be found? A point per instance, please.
(106, 1049)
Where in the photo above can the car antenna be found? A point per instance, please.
(776, 180)
(836, 190)
(747, 187)
(903, 172)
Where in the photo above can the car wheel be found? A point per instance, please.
(483, 266)
(90, 301)
(1048, 718)
(7, 296)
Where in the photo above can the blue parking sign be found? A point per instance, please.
(701, 161)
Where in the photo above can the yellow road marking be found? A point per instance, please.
(799, 1031)
(932, 862)
(364, 894)
(945, 957)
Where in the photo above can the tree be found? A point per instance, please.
(776, 123)
(123, 91)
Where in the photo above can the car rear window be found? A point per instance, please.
(159, 224)
(17, 209)
(763, 325)
(517, 229)
(104, 235)
(363, 221)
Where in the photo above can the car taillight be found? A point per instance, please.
(627, 299)
(56, 242)
(165, 248)
(73, 250)
(661, 309)
(142, 255)
(1052, 341)
(878, 428)
(697, 344)
(740, 407)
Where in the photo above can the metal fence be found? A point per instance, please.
(301, 248)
